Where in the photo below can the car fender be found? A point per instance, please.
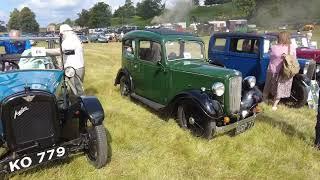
(209, 106)
(92, 109)
(251, 98)
(123, 72)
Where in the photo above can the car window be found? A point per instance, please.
(184, 50)
(219, 44)
(129, 48)
(149, 51)
(241, 45)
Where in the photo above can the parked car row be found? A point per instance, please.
(43, 119)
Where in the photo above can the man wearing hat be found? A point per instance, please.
(70, 41)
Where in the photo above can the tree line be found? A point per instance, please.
(100, 14)
(24, 20)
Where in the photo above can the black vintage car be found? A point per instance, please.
(41, 118)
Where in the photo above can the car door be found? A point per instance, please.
(131, 62)
(217, 50)
(153, 85)
(265, 59)
(243, 55)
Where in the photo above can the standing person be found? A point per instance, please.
(277, 85)
(14, 46)
(70, 41)
(309, 35)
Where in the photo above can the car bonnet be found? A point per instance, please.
(16, 81)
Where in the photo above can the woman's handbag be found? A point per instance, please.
(291, 66)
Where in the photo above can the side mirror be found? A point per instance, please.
(69, 52)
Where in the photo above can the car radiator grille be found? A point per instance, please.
(30, 122)
(235, 86)
(33, 124)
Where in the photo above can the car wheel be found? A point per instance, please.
(97, 153)
(124, 86)
(190, 118)
(299, 95)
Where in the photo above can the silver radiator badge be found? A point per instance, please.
(20, 112)
(28, 98)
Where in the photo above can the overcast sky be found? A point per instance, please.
(48, 11)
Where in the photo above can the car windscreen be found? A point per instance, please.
(179, 49)
(300, 41)
(29, 53)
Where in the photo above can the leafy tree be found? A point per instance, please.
(28, 21)
(150, 8)
(69, 22)
(125, 11)
(196, 2)
(83, 18)
(246, 6)
(100, 15)
(14, 21)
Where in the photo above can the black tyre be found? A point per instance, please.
(190, 118)
(299, 95)
(124, 86)
(97, 153)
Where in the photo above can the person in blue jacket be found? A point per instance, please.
(13, 46)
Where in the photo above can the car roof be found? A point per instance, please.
(160, 34)
(238, 34)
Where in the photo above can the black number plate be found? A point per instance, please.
(36, 158)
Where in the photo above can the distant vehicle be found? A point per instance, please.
(226, 49)
(103, 39)
(84, 39)
(93, 37)
(167, 71)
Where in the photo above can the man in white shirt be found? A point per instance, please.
(70, 41)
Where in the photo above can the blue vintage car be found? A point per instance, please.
(41, 118)
(248, 53)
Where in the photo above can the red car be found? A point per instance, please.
(304, 50)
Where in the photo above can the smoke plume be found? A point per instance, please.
(177, 12)
(286, 12)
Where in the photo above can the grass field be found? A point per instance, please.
(145, 146)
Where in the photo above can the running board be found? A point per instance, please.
(153, 105)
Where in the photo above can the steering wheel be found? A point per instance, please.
(12, 65)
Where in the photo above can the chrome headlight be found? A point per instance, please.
(306, 67)
(218, 88)
(70, 72)
(249, 81)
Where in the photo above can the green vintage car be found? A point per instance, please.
(167, 71)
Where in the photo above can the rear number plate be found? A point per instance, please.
(36, 158)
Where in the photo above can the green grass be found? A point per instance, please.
(222, 12)
(145, 146)
(135, 20)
